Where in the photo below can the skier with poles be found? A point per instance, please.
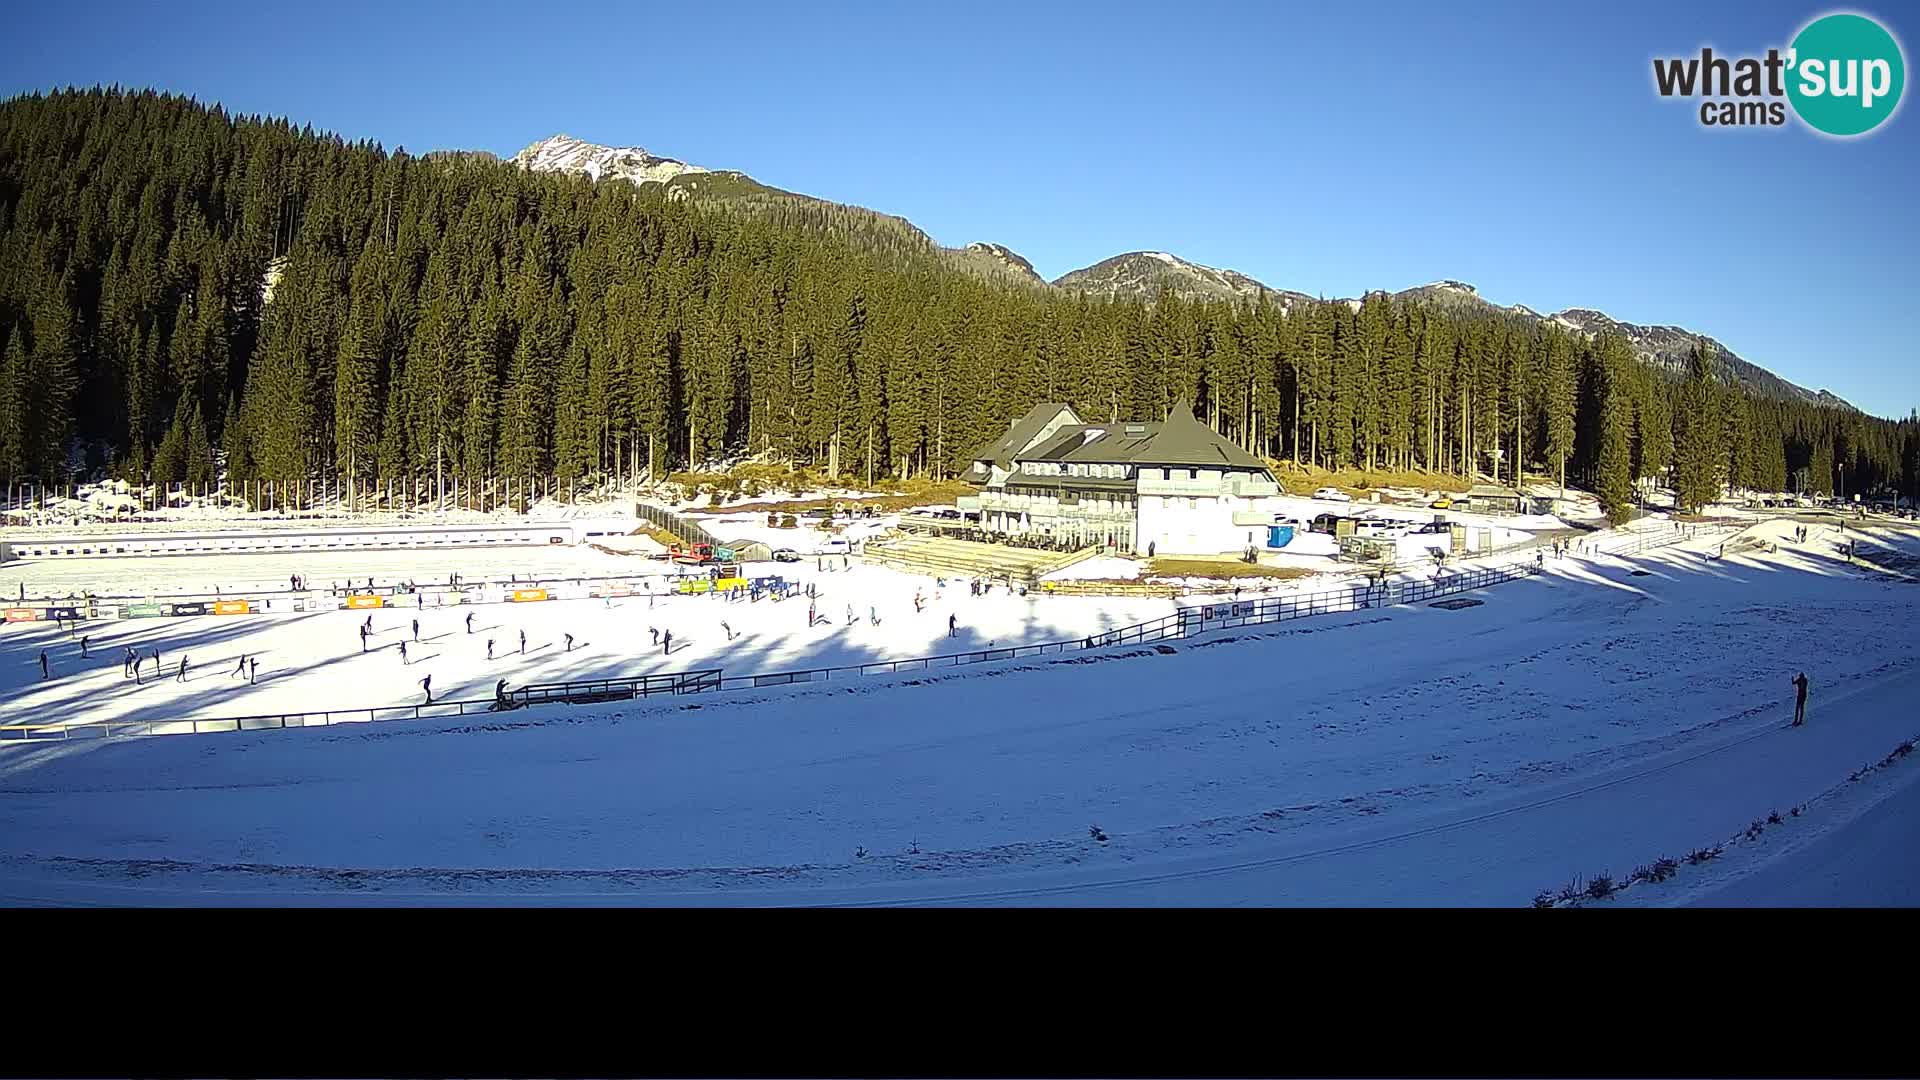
(523, 643)
(43, 663)
(253, 670)
(666, 644)
(569, 638)
(83, 647)
(416, 629)
(363, 638)
(426, 687)
(403, 654)
(182, 676)
(239, 670)
(469, 622)
(489, 648)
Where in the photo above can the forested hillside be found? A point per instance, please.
(460, 316)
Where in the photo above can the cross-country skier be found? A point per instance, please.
(851, 618)
(953, 626)
(43, 663)
(727, 628)
(523, 643)
(253, 670)
(500, 694)
(403, 653)
(569, 638)
(489, 648)
(126, 663)
(182, 676)
(426, 687)
(655, 631)
(239, 670)
(416, 629)
(469, 622)
(873, 616)
(363, 638)
(1799, 699)
(83, 648)
(666, 644)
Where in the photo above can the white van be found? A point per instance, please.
(835, 547)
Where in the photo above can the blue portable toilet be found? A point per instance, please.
(1279, 536)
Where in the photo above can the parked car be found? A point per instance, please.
(1334, 494)
(835, 547)
(1444, 502)
(786, 555)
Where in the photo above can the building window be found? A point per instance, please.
(1193, 474)
(1193, 504)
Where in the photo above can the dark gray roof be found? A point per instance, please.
(1179, 440)
(1024, 430)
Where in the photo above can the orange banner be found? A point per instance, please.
(231, 607)
(521, 596)
(23, 614)
(366, 601)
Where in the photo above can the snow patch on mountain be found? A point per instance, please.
(566, 154)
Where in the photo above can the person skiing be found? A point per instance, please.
(239, 670)
(655, 631)
(1799, 699)
(469, 622)
(426, 687)
(569, 638)
(126, 663)
(182, 676)
(489, 648)
(363, 638)
(851, 618)
(253, 670)
(43, 663)
(416, 629)
(83, 647)
(728, 629)
(810, 615)
(500, 695)
(403, 653)
(953, 626)
(873, 616)
(666, 644)
(156, 664)
(523, 643)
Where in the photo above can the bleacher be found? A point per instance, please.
(941, 557)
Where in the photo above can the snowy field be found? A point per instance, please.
(1588, 719)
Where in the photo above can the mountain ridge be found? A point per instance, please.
(1143, 274)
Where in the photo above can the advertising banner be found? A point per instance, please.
(194, 608)
(22, 614)
(231, 607)
(524, 596)
(63, 613)
(366, 601)
(142, 611)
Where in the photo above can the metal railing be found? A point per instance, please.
(686, 530)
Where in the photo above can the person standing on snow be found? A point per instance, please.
(523, 643)
(489, 648)
(666, 644)
(469, 622)
(83, 648)
(253, 670)
(182, 676)
(43, 663)
(1799, 699)
(363, 638)
(655, 631)
(426, 687)
(416, 629)
(953, 626)
(403, 654)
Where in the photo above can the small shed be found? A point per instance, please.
(751, 551)
(1494, 499)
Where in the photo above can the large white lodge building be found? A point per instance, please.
(1167, 488)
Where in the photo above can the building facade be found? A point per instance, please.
(1170, 488)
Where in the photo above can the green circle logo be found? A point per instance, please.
(1845, 74)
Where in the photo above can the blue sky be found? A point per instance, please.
(1520, 147)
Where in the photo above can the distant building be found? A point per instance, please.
(1172, 486)
(1494, 499)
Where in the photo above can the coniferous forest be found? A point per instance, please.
(184, 291)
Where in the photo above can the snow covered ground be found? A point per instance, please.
(1587, 719)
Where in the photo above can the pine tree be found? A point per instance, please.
(1612, 482)
(1699, 449)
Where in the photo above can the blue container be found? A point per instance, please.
(1279, 536)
